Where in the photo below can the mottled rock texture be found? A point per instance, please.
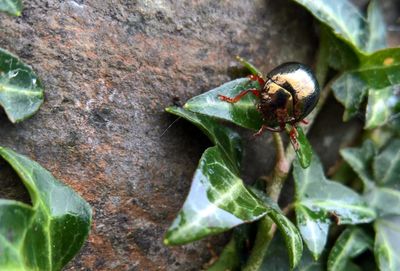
(110, 68)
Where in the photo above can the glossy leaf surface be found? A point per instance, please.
(218, 200)
(387, 243)
(12, 7)
(243, 113)
(21, 92)
(46, 235)
(320, 202)
(351, 243)
(342, 17)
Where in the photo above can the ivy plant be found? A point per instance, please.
(46, 234)
(329, 224)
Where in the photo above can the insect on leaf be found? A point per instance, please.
(242, 113)
(218, 199)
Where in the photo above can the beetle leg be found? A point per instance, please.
(257, 78)
(304, 121)
(293, 138)
(235, 99)
(271, 129)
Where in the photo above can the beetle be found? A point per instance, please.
(287, 95)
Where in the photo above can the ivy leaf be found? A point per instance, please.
(318, 202)
(242, 113)
(351, 243)
(228, 141)
(360, 160)
(378, 76)
(46, 235)
(302, 147)
(12, 7)
(342, 17)
(350, 90)
(380, 106)
(386, 166)
(376, 28)
(276, 258)
(292, 237)
(232, 257)
(21, 92)
(387, 243)
(218, 199)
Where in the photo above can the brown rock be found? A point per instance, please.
(110, 68)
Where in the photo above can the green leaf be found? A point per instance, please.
(302, 147)
(342, 17)
(21, 92)
(318, 201)
(292, 237)
(351, 243)
(232, 257)
(360, 160)
(218, 200)
(379, 76)
(12, 7)
(379, 109)
(350, 90)
(46, 235)
(243, 113)
(380, 174)
(276, 258)
(228, 141)
(387, 243)
(376, 28)
(387, 166)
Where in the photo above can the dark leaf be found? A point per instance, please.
(21, 91)
(46, 235)
(351, 243)
(232, 257)
(277, 259)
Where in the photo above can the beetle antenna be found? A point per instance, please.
(169, 126)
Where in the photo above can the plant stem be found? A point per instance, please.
(284, 159)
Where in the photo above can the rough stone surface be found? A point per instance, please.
(110, 68)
